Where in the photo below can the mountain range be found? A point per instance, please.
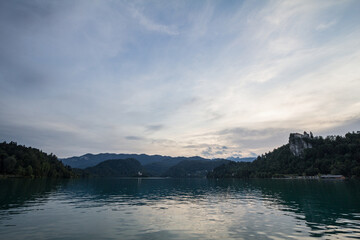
(132, 168)
(153, 165)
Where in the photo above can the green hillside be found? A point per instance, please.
(116, 168)
(194, 168)
(21, 161)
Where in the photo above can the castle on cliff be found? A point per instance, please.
(299, 142)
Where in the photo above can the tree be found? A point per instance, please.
(9, 164)
(29, 171)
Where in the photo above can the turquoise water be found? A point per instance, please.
(179, 209)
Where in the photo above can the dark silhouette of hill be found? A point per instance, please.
(30, 162)
(194, 168)
(154, 165)
(90, 160)
(116, 168)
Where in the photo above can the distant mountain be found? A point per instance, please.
(89, 160)
(151, 165)
(116, 168)
(161, 162)
(237, 159)
(194, 168)
(161, 167)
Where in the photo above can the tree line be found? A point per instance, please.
(21, 161)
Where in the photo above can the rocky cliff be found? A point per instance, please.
(299, 142)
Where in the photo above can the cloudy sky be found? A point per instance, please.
(208, 78)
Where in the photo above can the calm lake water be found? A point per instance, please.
(179, 209)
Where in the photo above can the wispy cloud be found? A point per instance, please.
(151, 25)
(154, 128)
(133, 138)
(326, 25)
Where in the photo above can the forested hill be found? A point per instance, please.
(19, 160)
(116, 168)
(330, 155)
(194, 168)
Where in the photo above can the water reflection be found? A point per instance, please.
(325, 206)
(15, 193)
(183, 208)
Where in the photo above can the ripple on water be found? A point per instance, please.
(177, 209)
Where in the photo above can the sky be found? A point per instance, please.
(215, 79)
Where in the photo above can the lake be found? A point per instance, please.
(179, 209)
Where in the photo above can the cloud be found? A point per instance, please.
(134, 138)
(153, 26)
(325, 26)
(154, 128)
(63, 140)
(252, 154)
(225, 152)
(182, 78)
(247, 141)
(340, 128)
(201, 21)
(215, 151)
